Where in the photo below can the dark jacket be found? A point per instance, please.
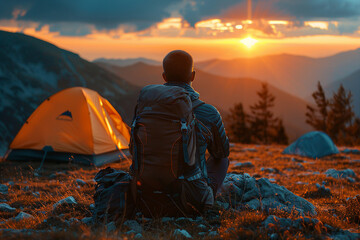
(218, 143)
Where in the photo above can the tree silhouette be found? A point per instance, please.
(340, 116)
(317, 117)
(238, 129)
(262, 120)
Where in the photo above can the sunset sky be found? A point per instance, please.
(207, 28)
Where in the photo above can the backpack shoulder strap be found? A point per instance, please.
(196, 103)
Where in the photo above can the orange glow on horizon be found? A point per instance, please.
(108, 45)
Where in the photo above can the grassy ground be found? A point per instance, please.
(36, 196)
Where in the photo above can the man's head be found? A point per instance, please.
(178, 67)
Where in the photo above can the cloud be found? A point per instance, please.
(83, 17)
(195, 11)
(104, 14)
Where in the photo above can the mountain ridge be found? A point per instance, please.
(224, 92)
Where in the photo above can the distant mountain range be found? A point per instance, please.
(127, 61)
(297, 75)
(31, 70)
(223, 92)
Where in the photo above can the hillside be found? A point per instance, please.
(350, 83)
(297, 75)
(223, 92)
(127, 61)
(32, 70)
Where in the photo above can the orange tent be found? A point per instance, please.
(75, 124)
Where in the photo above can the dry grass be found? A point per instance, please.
(36, 196)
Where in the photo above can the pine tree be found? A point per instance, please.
(280, 135)
(238, 129)
(262, 119)
(340, 116)
(317, 117)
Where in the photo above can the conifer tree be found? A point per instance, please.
(317, 117)
(238, 129)
(280, 136)
(340, 116)
(262, 119)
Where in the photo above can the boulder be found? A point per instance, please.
(4, 207)
(22, 216)
(241, 190)
(340, 173)
(3, 189)
(181, 233)
(133, 225)
(244, 165)
(69, 200)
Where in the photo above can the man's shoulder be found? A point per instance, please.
(207, 111)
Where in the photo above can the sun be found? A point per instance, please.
(249, 42)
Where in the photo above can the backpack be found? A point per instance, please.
(111, 195)
(163, 145)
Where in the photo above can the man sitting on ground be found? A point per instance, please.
(198, 188)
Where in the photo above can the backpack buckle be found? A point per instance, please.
(184, 127)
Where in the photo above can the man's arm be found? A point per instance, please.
(218, 146)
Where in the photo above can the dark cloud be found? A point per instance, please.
(327, 9)
(104, 14)
(286, 9)
(195, 11)
(137, 15)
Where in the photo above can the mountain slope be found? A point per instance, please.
(297, 75)
(32, 70)
(127, 61)
(350, 83)
(223, 92)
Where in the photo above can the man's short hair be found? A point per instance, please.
(178, 66)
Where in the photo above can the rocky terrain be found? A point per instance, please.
(266, 195)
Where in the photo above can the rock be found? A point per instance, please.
(166, 219)
(241, 190)
(36, 194)
(110, 227)
(4, 189)
(87, 220)
(22, 216)
(133, 225)
(350, 179)
(69, 200)
(80, 182)
(202, 227)
(350, 151)
(73, 221)
(355, 161)
(345, 235)
(11, 183)
(223, 205)
(249, 150)
(272, 180)
(270, 170)
(244, 165)
(274, 236)
(138, 236)
(213, 234)
(340, 173)
(4, 207)
(92, 206)
(182, 233)
(297, 160)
